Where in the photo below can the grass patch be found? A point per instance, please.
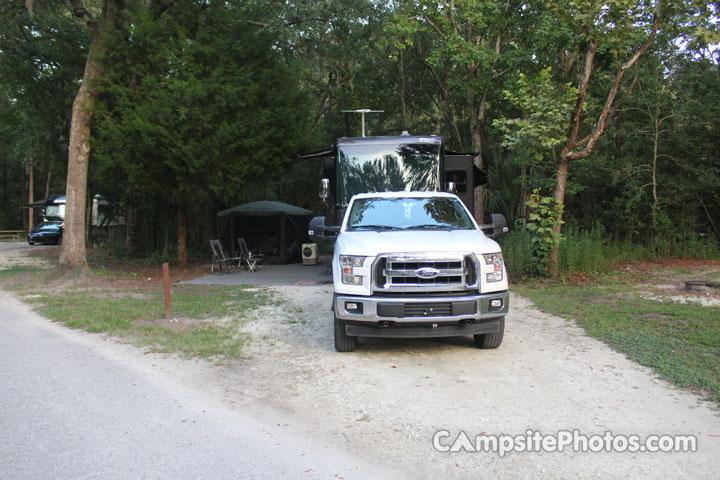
(7, 273)
(204, 341)
(129, 306)
(681, 342)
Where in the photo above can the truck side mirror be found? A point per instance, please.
(317, 231)
(499, 226)
(324, 189)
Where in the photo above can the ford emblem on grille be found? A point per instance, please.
(427, 272)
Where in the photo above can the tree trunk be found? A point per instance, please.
(5, 183)
(31, 193)
(478, 140)
(478, 130)
(477, 145)
(210, 221)
(182, 234)
(569, 153)
(348, 127)
(47, 184)
(560, 183)
(619, 140)
(402, 91)
(130, 225)
(73, 254)
(525, 196)
(656, 141)
(442, 109)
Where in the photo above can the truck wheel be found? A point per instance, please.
(343, 341)
(491, 340)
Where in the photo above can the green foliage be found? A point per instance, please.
(41, 61)
(202, 96)
(457, 58)
(584, 252)
(668, 126)
(517, 248)
(594, 251)
(505, 184)
(210, 101)
(543, 224)
(545, 110)
(196, 104)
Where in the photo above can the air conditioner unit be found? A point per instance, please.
(309, 254)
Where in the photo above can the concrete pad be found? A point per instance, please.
(270, 275)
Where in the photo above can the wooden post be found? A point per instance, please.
(166, 283)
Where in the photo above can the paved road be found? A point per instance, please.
(73, 405)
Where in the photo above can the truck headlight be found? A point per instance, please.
(348, 264)
(495, 261)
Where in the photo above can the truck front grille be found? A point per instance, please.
(403, 273)
(424, 273)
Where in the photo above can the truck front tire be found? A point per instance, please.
(491, 340)
(343, 341)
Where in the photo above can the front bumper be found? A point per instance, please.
(415, 310)
(44, 238)
(434, 330)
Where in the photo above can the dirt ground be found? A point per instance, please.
(680, 281)
(387, 400)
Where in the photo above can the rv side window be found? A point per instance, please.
(55, 211)
(459, 177)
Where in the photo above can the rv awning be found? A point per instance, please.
(35, 204)
(328, 152)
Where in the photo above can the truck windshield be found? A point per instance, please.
(48, 226)
(388, 167)
(408, 213)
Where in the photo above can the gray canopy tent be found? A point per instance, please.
(272, 228)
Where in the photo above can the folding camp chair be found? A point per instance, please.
(220, 260)
(252, 260)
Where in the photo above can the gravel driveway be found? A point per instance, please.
(388, 399)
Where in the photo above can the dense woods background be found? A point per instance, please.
(612, 108)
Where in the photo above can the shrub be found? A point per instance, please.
(593, 251)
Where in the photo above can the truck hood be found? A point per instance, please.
(369, 243)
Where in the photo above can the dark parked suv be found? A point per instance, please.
(46, 232)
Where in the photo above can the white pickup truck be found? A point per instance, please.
(415, 264)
